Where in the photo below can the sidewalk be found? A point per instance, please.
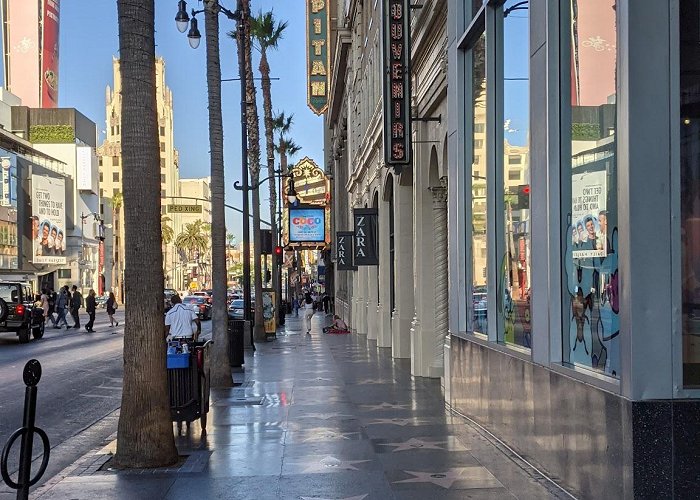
(325, 417)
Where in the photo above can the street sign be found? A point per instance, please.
(185, 209)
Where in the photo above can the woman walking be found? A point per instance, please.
(308, 311)
(111, 306)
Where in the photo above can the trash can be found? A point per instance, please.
(235, 342)
(282, 312)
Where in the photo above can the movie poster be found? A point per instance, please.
(588, 214)
(48, 220)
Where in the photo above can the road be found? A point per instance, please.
(81, 384)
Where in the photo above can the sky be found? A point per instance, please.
(89, 40)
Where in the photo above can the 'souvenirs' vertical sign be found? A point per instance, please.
(317, 54)
(343, 250)
(396, 53)
(366, 244)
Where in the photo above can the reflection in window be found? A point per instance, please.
(591, 308)
(514, 270)
(690, 188)
(479, 259)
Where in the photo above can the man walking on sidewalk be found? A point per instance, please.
(62, 307)
(76, 302)
(90, 307)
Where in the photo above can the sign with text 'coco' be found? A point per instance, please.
(366, 244)
(318, 54)
(396, 34)
(307, 225)
(343, 249)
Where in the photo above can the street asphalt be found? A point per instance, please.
(80, 389)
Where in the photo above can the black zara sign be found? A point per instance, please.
(343, 248)
(366, 251)
(396, 53)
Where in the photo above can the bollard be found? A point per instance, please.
(32, 375)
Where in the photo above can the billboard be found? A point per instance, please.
(48, 220)
(307, 225)
(87, 170)
(21, 37)
(49, 59)
(588, 214)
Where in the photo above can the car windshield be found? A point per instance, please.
(9, 293)
(193, 299)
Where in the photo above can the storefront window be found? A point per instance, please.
(479, 170)
(514, 249)
(690, 187)
(591, 307)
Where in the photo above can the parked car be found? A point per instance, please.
(207, 294)
(18, 312)
(199, 304)
(235, 309)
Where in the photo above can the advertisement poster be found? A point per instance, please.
(269, 309)
(307, 225)
(366, 243)
(23, 46)
(588, 215)
(49, 60)
(48, 220)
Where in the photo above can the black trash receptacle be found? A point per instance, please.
(282, 312)
(235, 342)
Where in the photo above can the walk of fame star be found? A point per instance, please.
(414, 444)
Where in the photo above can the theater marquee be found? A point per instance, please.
(318, 54)
(396, 54)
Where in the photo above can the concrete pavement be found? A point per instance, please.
(320, 416)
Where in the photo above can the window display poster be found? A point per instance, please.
(588, 214)
(269, 309)
(48, 220)
(307, 225)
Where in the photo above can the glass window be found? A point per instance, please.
(162, 193)
(478, 195)
(115, 176)
(162, 131)
(101, 177)
(162, 146)
(590, 334)
(690, 187)
(162, 162)
(162, 178)
(115, 161)
(514, 248)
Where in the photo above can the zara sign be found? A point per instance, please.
(366, 248)
(343, 249)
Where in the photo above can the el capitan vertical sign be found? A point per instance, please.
(318, 58)
(366, 244)
(396, 57)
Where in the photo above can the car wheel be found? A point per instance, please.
(38, 331)
(23, 335)
(3, 310)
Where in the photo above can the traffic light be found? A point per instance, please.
(266, 243)
(268, 276)
(523, 202)
(279, 253)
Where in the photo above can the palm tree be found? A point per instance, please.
(193, 239)
(145, 431)
(220, 369)
(268, 33)
(253, 128)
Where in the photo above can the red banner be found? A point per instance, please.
(49, 64)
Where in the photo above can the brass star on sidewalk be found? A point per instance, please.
(359, 497)
(478, 477)
(414, 444)
(397, 421)
(324, 416)
(386, 406)
(330, 463)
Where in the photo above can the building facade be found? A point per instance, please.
(109, 154)
(401, 304)
(195, 273)
(572, 198)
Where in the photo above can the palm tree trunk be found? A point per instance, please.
(253, 126)
(270, 146)
(220, 369)
(145, 432)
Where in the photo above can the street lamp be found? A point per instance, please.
(291, 191)
(182, 19)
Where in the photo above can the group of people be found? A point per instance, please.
(309, 303)
(70, 300)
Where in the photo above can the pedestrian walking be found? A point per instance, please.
(308, 311)
(52, 305)
(111, 306)
(326, 303)
(44, 299)
(76, 302)
(181, 323)
(62, 307)
(295, 306)
(90, 308)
